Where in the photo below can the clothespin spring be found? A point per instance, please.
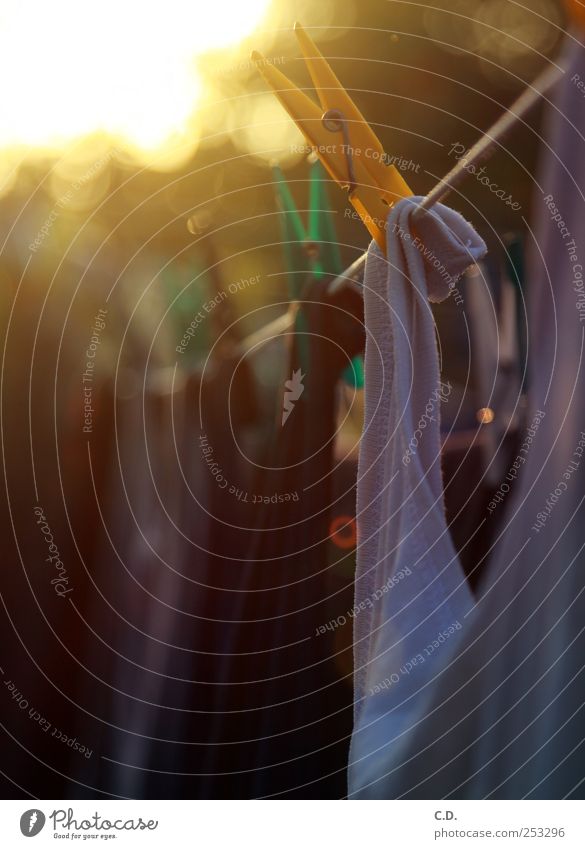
(335, 121)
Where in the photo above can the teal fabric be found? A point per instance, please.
(311, 253)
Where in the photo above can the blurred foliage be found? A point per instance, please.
(426, 75)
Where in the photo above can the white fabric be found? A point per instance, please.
(505, 717)
(411, 593)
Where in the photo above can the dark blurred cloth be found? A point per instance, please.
(410, 587)
(283, 715)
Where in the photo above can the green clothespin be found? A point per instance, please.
(311, 253)
(321, 227)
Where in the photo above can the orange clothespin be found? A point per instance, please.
(340, 136)
(576, 10)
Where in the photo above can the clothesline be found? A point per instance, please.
(481, 151)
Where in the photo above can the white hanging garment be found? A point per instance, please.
(504, 718)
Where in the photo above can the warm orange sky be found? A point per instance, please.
(70, 69)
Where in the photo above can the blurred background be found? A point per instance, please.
(166, 130)
(138, 150)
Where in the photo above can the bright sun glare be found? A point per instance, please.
(70, 69)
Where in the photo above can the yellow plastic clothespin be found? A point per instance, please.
(340, 136)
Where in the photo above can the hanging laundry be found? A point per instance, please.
(504, 717)
(494, 367)
(140, 585)
(283, 717)
(410, 588)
